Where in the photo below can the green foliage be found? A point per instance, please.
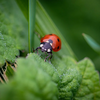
(34, 79)
(31, 82)
(39, 80)
(90, 85)
(70, 78)
(48, 68)
(13, 23)
(28, 8)
(8, 49)
(23, 4)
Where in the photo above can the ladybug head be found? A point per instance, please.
(46, 46)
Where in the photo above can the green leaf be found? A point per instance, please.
(8, 50)
(30, 82)
(48, 68)
(78, 81)
(70, 78)
(92, 43)
(23, 4)
(90, 85)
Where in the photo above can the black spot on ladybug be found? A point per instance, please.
(58, 47)
(50, 34)
(58, 40)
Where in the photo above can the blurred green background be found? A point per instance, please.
(74, 17)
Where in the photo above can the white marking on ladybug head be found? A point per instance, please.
(51, 44)
(47, 41)
(48, 50)
(41, 45)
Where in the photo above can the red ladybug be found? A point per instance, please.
(48, 43)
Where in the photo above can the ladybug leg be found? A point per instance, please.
(37, 49)
(49, 54)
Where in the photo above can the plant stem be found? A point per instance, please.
(31, 25)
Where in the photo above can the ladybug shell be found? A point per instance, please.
(56, 46)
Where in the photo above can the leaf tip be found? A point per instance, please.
(83, 34)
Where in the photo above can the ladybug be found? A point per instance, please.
(48, 43)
